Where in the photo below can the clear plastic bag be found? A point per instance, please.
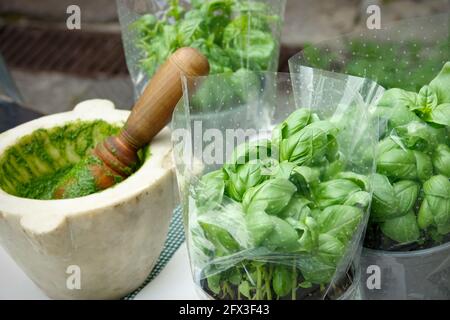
(406, 57)
(263, 223)
(233, 34)
(409, 235)
(407, 54)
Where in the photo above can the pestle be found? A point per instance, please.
(114, 159)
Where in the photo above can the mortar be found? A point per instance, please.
(101, 246)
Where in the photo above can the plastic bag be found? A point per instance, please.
(263, 222)
(407, 54)
(409, 234)
(233, 34)
(406, 58)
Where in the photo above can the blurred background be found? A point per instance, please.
(54, 68)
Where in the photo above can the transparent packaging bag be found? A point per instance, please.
(263, 220)
(233, 34)
(408, 236)
(407, 54)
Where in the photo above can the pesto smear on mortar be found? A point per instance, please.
(33, 167)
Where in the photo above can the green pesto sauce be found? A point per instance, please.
(85, 182)
(41, 187)
(37, 163)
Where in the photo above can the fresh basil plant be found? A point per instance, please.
(280, 215)
(233, 34)
(411, 189)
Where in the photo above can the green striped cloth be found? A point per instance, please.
(174, 240)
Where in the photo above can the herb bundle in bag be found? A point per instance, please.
(232, 34)
(283, 216)
(407, 237)
(411, 204)
(414, 117)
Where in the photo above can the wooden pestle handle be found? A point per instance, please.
(154, 108)
(118, 154)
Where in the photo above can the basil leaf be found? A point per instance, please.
(360, 199)
(219, 61)
(332, 153)
(424, 165)
(218, 13)
(406, 192)
(426, 100)
(397, 163)
(255, 150)
(339, 221)
(244, 289)
(305, 179)
(441, 160)
(308, 228)
(331, 170)
(293, 124)
(222, 240)
(394, 98)
(359, 179)
(309, 145)
(316, 270)
(283, 170)
(246, 177)
(425, 216)
(283, 236)
(436, 204)
(331, 250)
(226, 229)
(402, 229)
(298, 215)
(334, 192)
(305, 285)
(297, 207)
(214, 283)
(282, 280)
(259, 225)
(419, 135)
(274, 194)
(234, 276)
(441, 83)
(439, 115)
(386, 145)
(384, 202)
(246, 42)
(209, 191)
(399, 116)
(188, 27)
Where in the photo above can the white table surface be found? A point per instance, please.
(173, 283)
